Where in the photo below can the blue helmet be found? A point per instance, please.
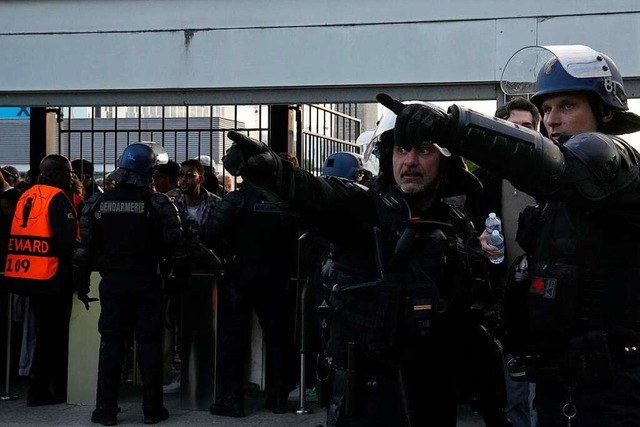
(142, 158)
(138, 162)
(545, 70)
(586, 71)
(344, 165)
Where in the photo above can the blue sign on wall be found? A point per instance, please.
(14, 113)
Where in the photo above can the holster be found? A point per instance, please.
(337, 399)
(590, 359)
(552, 298)
(528, 227)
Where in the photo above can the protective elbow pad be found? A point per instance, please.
(532, 162)
(600, 165)
(169, 219)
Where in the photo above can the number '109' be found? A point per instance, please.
(18, 265)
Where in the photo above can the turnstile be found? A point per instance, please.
(198, 342)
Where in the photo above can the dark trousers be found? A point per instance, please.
(274, 306)
(49, 368)
(384, 396)
(130, 303)
(612, 404)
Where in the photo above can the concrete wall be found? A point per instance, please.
(73, 52)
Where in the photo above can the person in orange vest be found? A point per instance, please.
(43, 236)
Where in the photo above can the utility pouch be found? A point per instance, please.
(370, 318)
(552, 298)
(528, 227)
(590, 358)
(515, 312)
(422, 304)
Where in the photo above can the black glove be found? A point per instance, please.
(250, 158)
(85, 299)
(416, 123)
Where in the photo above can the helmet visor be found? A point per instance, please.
(521, 71)
(162, 158)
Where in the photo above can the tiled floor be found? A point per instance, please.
(16, 413)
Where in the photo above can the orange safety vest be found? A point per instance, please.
(31, 253)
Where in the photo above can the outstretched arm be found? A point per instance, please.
(532, 162)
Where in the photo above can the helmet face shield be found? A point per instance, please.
(386, 122)
(544, 70)
(521, 72)
(364, 141)
(162, 158)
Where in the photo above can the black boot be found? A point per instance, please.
(154, 414)
(279, 376)
(39, 394)
(109, 369)
(105, 415)
(277, 403)
(41, 398)
(228, 405)
(150, 362)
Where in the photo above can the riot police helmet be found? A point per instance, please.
(567, 69)
(603, 78)
(344, 165)
(138, 162)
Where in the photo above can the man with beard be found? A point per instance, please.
(194, 202)
(403, 279)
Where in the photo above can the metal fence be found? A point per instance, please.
(100, 134)
(326, 130)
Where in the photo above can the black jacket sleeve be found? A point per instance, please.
(64, 224)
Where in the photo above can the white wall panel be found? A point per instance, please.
(616, 35)
(511, 35)
(271, 57)
(47, 16)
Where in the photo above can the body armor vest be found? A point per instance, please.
(582, 281)
(115, 214)
(409, 283)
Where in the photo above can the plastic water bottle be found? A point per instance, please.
(497, 240)
(493, 223)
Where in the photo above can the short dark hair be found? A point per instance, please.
(171, 168)
(82, 167)
(195, 163)
(521, 104)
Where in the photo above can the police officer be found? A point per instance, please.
(125, 233)
(578, 334)
(44, 234)
(403, 279)
(244, 228)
